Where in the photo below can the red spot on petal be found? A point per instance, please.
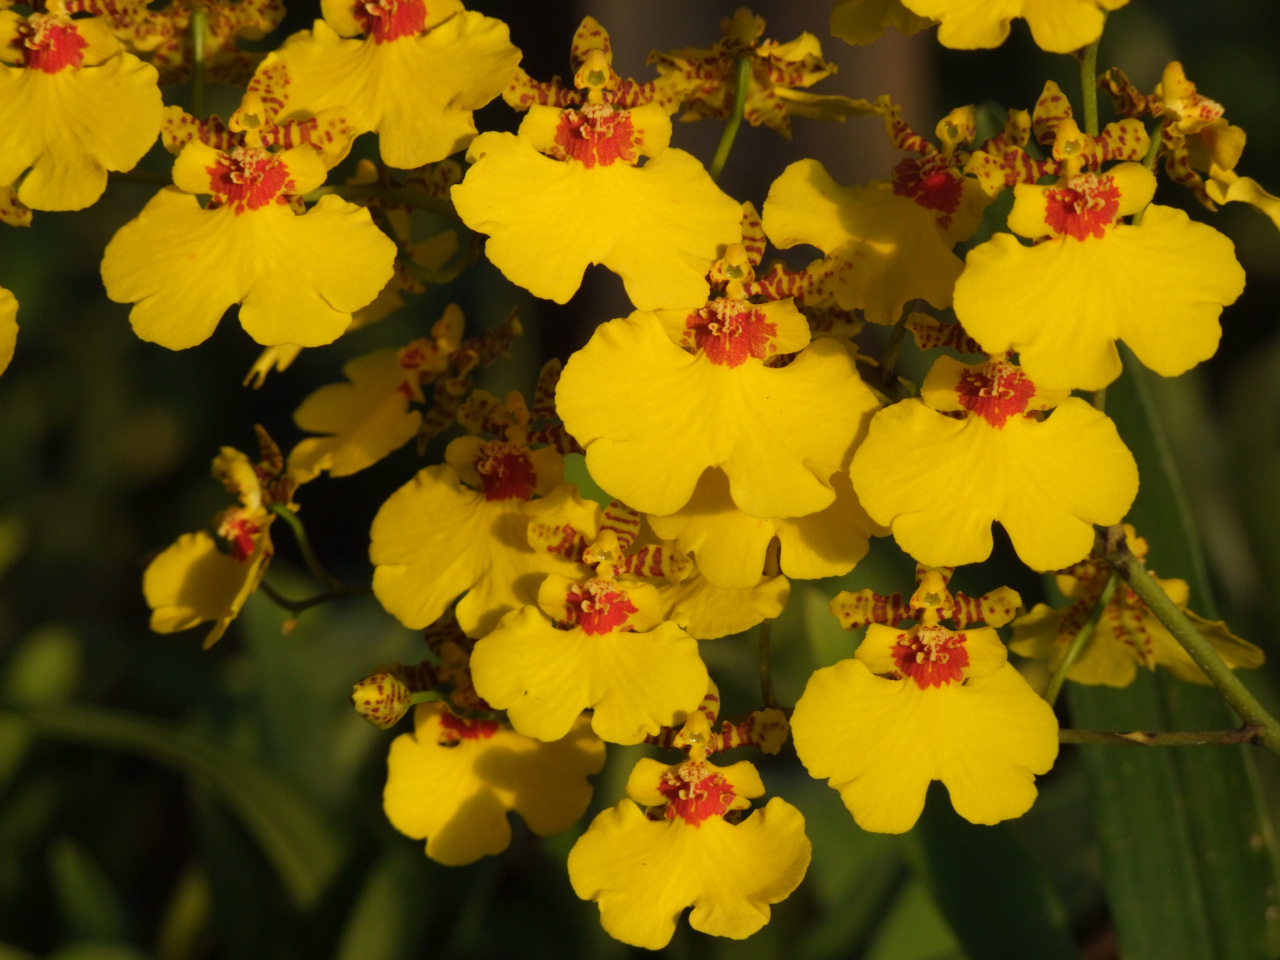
(729, 331)
(456, 729)
(595, 133)
(49, 43)
(995, 392)
(932, 657)
(249, 179)
(694, 793)
(1084, 207)
(506, 471)
(932, 182)
(599, 606)
(386, 20)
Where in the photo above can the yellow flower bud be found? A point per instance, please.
(382, 699)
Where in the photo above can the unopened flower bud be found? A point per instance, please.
(382, 699)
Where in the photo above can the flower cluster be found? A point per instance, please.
(743, 426)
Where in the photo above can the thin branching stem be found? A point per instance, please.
(1251, 712)
(199, 27)
(1078, 642)
(1164, 738)
(742, 81)
(893, 348)
(323, 577)
(297, 606)
(1089, 87)
(766, 632)
(404, 196)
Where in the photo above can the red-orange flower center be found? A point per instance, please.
(598, 606)
(596, 133)
(933, 182)
(387, 20)
(694, 793)
(453, 730)
(249, 179)
(933, 657)
(729, 331)
(49, 43)
(241, 533)
(506, 471)
(995, 392)
(1084, 207)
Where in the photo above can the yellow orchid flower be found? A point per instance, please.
(1159, 285)
(1127, 635)
(922, 704)
(598, 644)
(568, 190)
(73, 105)
(453, 780)
(697, 851)
(1058, 26)
(193, 581)
(415, 78)
(709, 399)
(940, 481)
(298, 278)
(777, 71)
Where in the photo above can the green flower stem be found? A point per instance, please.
(1144, 738)
(297, 606)
(1149, 161)
(766, 631)
(1153, 152)
(1078, 642)
(405, 196)
(742, 81)
(142, 176)
(435, 696)
(889, 359)
(331, 584)
(1184, 631)
(199, 26)
(1089, 87)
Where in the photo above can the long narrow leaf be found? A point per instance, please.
(293, 835)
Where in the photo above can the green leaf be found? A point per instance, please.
(89, 903)
(295, 838)
(384, 917)
(986, 883)
(98, 951)
(915, 930)
(1190, 869)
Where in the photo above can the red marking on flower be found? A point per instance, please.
(387, 20)
(49, 43)
(454, 729)
(241, 532)
(599, 606)
(596, 133)
(933, 657)
(506, 471)
(1085, 207)
(694, 793)
(249, 179)
(995, 392)
(729, 331)
(932, 182)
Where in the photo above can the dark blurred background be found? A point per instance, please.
(229, 806)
